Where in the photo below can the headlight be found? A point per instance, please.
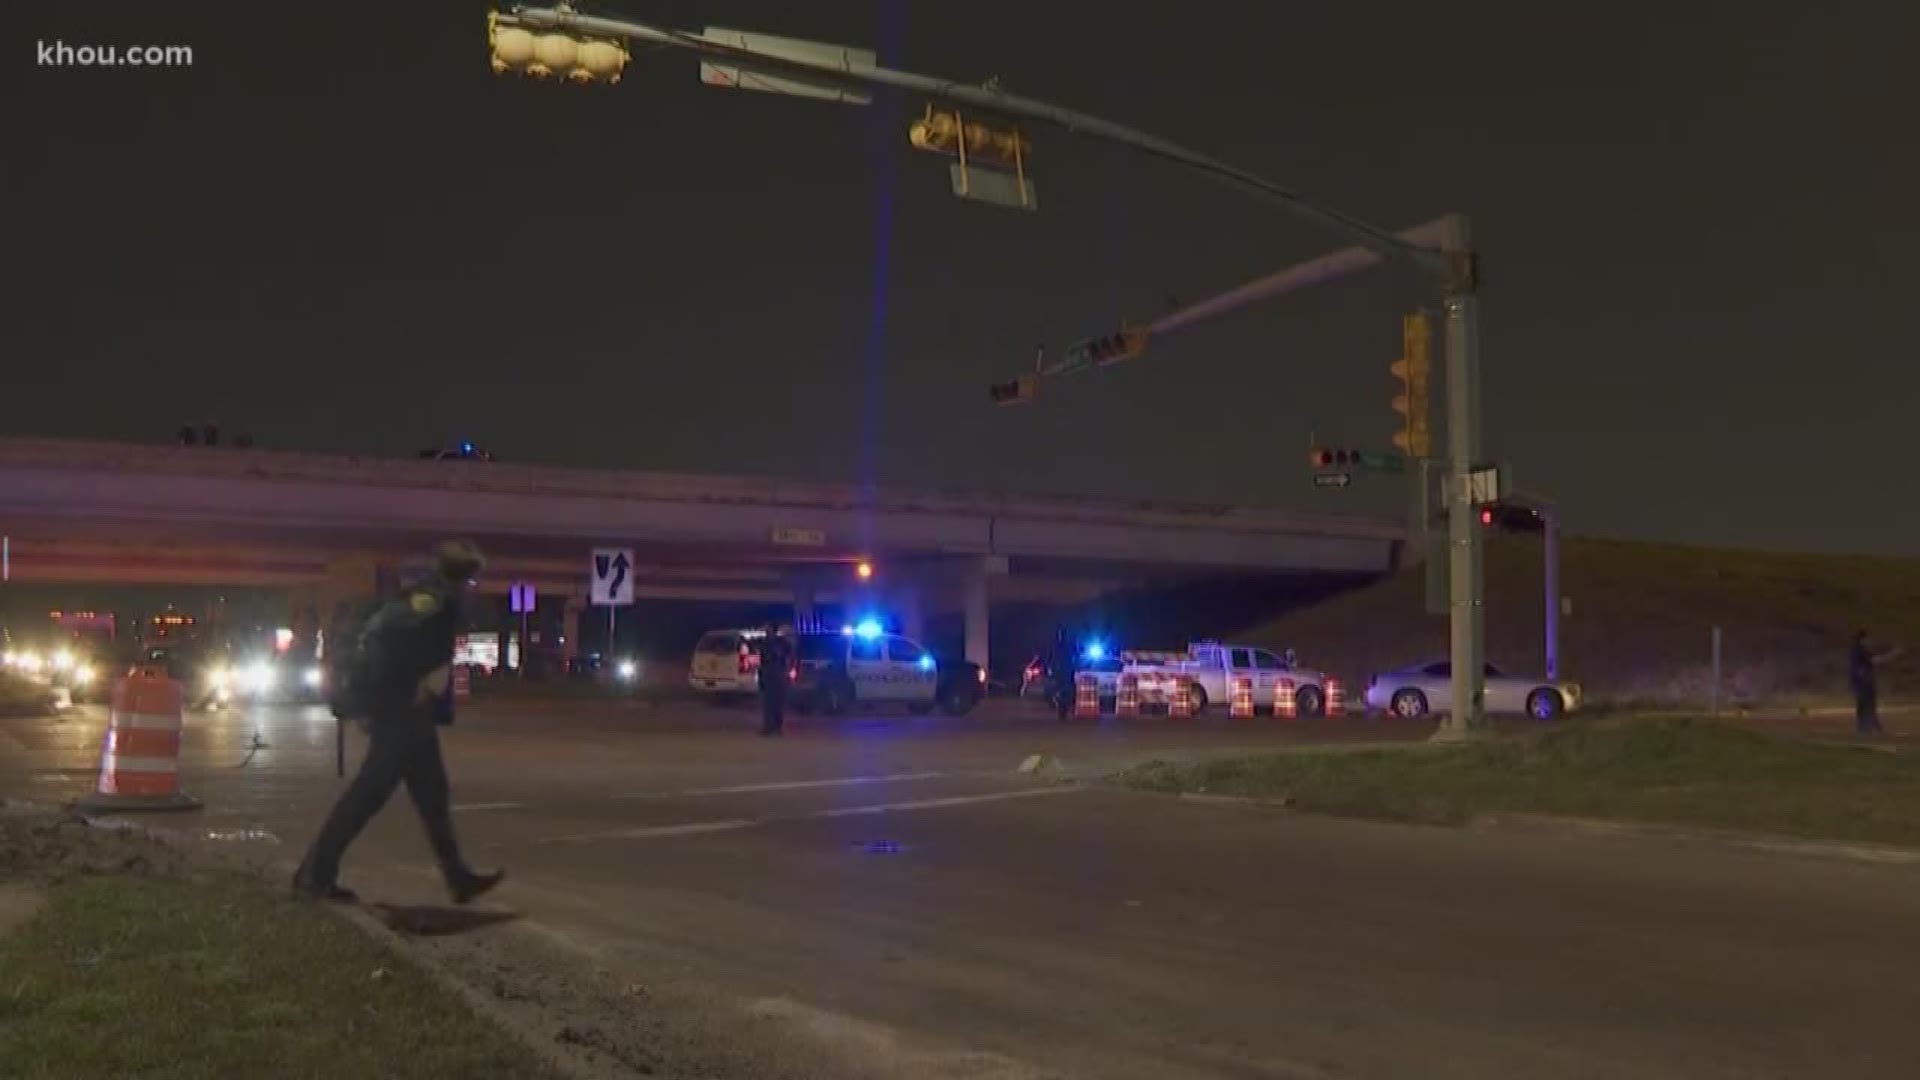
(62, 661)
(260, 678)
(82, 675)
(628, 671)
(314, 677)
(29, 662)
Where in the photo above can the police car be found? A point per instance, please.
(863, 665)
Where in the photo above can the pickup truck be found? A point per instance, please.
(1212, 667)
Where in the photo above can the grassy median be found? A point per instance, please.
(214, 975)
(1668, 771)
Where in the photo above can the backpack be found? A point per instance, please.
(350, 670)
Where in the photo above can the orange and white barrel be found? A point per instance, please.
(462, 680)
(1284, 705)
(140, 756)
(1126, 700)
(1336, 697)
(1086, 696)
(1240, 704)
(1181, 707)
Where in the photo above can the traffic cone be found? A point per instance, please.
(140, 756)
(1336, 697)
(1241, 705)
(1126, 700)
(1284, 705)
(1086, 697)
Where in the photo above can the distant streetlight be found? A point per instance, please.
(864, 571)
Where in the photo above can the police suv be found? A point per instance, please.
(862, 665)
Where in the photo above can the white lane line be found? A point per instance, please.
(935, 804)
(788, 785)
(731, 824)
(647, 832)
(464, 807)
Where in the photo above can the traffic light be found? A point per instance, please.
(1512, 518)
(545, 55)
(1020, 391)
(945, 131)
(1109, 348)
(1414, 370)
(1321, 457)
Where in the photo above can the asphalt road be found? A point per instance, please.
(893, 895)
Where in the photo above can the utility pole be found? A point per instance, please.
(805, 68)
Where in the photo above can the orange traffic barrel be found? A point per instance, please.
(1182, 706)
(140, 756)
(1126, 700)
(1086, 696)
(1240, 706)
(1284, 705)
(1336, 697)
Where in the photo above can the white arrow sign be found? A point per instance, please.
(612, 577)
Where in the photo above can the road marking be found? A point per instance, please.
(788, 785)
(487, 806)
(648, 832)
(696, 827)
(934, 804)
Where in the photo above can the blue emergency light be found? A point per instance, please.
(865, 629)
(1095, 650)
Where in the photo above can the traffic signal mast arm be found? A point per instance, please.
(1384, 243)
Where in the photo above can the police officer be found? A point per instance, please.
(409, 651)
(1861, 660)
(1063, 667)
(776, 663)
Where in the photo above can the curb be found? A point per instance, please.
(1875, 854)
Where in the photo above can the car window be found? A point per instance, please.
(817, 647)
(1242, 659)
(1266, 661)
(869, 649)
(718, 644)
(1495, 673)
(903, 651)
(1440, 670)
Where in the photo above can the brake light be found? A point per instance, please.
(749, 663)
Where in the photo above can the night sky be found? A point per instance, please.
(1698, 233)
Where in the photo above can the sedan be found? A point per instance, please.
(1415, 691)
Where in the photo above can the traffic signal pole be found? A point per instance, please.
(1452, 265)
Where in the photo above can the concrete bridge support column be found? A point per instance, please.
(977, 613)
(570, 619)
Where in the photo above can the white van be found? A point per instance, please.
(726, 664)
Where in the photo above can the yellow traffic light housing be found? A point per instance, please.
(1414, 370)
(546, 55)
(1020, 391)
(945, 131)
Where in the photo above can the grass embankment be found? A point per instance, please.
(211, 974)
(1666, 771)
(1641, 621)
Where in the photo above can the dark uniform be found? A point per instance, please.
(776, 664)
(1866, 693)
(1063, 667)
(409, 642)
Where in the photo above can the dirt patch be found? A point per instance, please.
(45, 847)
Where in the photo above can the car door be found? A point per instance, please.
(911, 667)
(1435, 680)
(1505, 694)
(867, 668)
(1268, 670)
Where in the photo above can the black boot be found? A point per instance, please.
(306, 889)
(466, 885)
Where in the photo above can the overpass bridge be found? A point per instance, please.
(335, 525)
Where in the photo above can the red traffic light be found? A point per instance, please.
(1486, 516)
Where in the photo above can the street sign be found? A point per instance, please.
(1487, 484)
(746, 75)
(800, 537)
(993, 186)
(520, 598)
(1333, 480)
(612, 577)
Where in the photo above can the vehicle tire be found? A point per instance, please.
(1199, 695)
(837, 698)
(1309, 701)
(1546, 705)
(958, 701)
(1409, 704)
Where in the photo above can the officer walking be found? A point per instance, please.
(1861, 660)
(407, 649)
(776, 665)
(1065, 667)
